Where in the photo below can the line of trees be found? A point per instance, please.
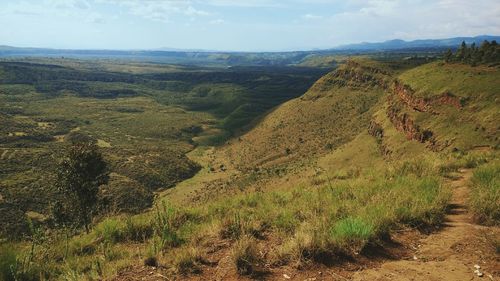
(487, 53)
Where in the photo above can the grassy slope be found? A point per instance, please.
(327, 116)
(359, 196)
(476, 124)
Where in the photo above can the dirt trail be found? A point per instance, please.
(449, 254)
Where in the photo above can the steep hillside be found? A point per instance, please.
(336, 109)
(447, 107)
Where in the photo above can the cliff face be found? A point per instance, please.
(377, 131)
(402, 100)
(448, 98)
(407, 95)
(404, 123)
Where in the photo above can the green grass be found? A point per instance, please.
(462, 80)
(310, 222)
(475, 124)
(485, 193)
(8, 262)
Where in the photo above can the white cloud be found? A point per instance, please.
(255, 24)
(73, 9)
(67, 4)
(377, 20)
(158, 10)
(311, 17)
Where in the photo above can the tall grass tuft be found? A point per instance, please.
(245, 255)
(485, 194)
(8, 263)
(352, 233)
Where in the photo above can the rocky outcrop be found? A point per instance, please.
(407, 95)
(376, 130)
(449, 99)
(354, 75)
(405, 124)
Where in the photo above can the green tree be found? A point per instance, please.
(475, 55)
(485, 50)
(80, 174)
(462, 52)
(448, 56)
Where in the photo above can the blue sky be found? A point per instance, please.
(244, 25)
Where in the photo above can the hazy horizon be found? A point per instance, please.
(252, 25)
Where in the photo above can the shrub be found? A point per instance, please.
(80, 176)
(14, 267)
(151, 261)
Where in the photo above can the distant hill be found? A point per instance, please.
(207, 57)
(424, 43)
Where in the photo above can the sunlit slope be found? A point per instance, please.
(336, 109)
(458, 104)
(408, 110)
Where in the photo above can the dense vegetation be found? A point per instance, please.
(487, 53)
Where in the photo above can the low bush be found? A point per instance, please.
(14, 266)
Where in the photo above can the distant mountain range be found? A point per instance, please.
(396, 44)
(206, 57)
(425, 43)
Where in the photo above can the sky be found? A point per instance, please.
(238, 25)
